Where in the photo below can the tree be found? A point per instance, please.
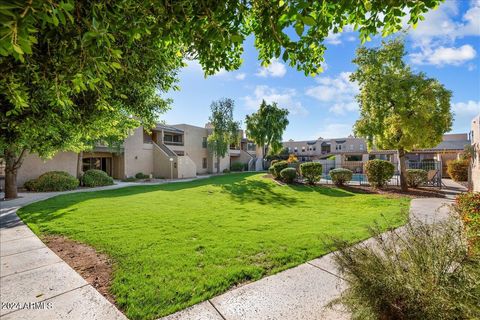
(74, 70)
(399, 109)
(266, 126)
(225, 129)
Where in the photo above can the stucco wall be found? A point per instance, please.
(33, 166)
(193, 138)
(162, 166)
(186, 167)
(138, 155)
(476, 158)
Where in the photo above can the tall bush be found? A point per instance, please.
(96, 178)
(278, 167)
(288, 174)
(311, 171)
(340, 176)
(467, 205)
(458, 169)
(416, 177)
(419, 273)
(379, 172)
(52, 181)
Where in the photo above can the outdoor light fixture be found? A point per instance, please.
(171, 168)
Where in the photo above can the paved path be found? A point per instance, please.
(32, 273)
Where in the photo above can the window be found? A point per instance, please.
(204, 142)
(147, 138)
(251, 146)
(295, 149)
(303, 149)
(338, 147)
(314, 148)
(204, 163)
(361, 146)
(351, 147)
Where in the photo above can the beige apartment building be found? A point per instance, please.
(170, 152)
(347, 151)
(475, 138)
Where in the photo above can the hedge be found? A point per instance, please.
(288, 174)
(340, 176)
(96, 178)
(379, 172)
(278, 167)
(458, 170)
(53, 181)
(416, 177)
(237, 166)
(311, 171)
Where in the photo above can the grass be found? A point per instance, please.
(177, 244)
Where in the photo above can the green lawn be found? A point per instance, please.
(177, 244)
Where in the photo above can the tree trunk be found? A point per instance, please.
(403, 170)
(79, 165)
(218, 164)
(12, 164)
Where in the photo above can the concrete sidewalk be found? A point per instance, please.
(36, 284)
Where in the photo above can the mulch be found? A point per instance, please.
(94, 267)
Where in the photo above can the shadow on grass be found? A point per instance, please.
(238, 186)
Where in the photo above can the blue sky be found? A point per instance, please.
(445, 46)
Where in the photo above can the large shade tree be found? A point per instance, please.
(266, 126)
(225, 130)
(399, 109)
(73, 71)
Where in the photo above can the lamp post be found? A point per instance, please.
(171, 168)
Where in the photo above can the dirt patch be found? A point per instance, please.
(93, 266)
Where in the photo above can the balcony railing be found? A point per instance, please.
(173, 143)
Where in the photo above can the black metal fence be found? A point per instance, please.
(433, 169)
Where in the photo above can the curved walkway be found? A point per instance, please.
(36, 284)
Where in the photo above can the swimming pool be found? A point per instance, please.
(355, 177)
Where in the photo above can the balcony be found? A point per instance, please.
(234, 152)
(173, 143)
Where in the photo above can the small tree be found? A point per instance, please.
(266, 126)
(399, 109)
(225, 129)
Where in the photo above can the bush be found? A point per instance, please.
(288, 174)
(422, 272)
(53, 181)
(139, 175)
(340, 176)
(311, 171)
(237, 166)
(379, 172)
(273, 162)
(129, 179)
(458, 170)
(292, 159)
(467, 205)
(416, 177)
(226, 170)
(278, 167)
(96, 178)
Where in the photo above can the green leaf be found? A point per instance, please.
(17, 49)
(308, 20)
(299, 28)
(116, 65)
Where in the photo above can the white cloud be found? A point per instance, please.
(467, 108)
(444, 55)
(274, 69)
(240, 76)
(286, 98)
(339, 91)
(335, 130)
(333, 38)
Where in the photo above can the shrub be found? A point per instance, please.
(379, 172)
(226, 170)
(467, 205)
(96, 178)
(53, 181)
(340, 176)
(421, 272)
(292, 159)
(416, 177)
(458, 170)
(140, 175)
(237, 166)
(278, 167)
(271, 170)
(273, 162)
(288, 174)
(129, 179)
(311, 171)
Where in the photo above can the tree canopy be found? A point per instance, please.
(225, 129)
(76, 71)
(266, 126)
(399, 109)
